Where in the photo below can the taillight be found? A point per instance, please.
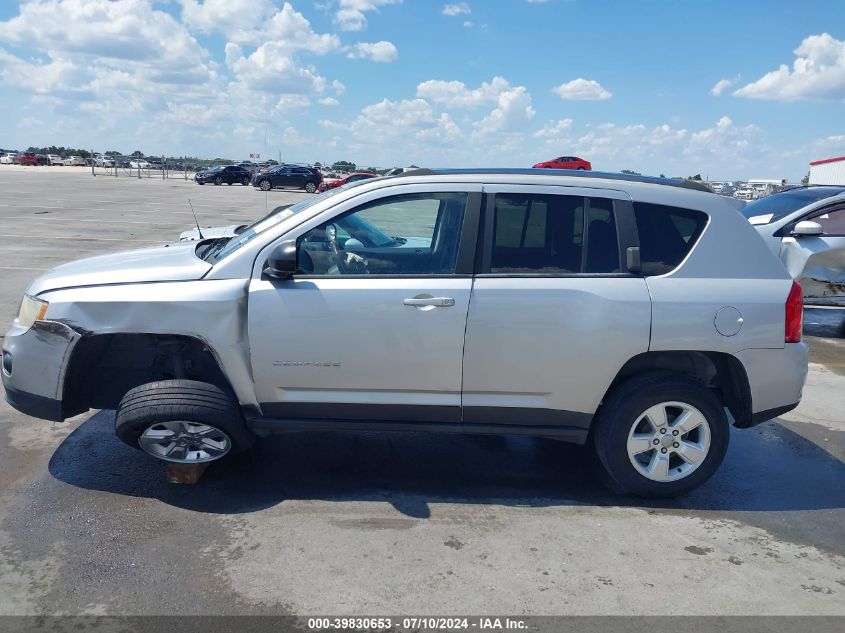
(794, 314)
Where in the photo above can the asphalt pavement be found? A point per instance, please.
(365, 523)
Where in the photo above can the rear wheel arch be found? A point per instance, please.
(720, 372)
(103, 367)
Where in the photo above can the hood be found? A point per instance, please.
(213, 232)
(175, 262)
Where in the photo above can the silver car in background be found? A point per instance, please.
(805, 228)
(638, 316)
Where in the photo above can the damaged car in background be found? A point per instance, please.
(805, 228)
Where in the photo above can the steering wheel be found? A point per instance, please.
(347, 263)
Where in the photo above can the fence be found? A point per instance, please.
(117, 167)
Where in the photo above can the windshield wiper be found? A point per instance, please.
(206, 251)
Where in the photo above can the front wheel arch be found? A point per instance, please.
(103, 367)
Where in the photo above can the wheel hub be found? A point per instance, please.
(668, 441)
(184, 442)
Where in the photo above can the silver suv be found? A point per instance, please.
(636, 315)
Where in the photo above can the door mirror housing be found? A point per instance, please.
(807, 227)
(281, 264)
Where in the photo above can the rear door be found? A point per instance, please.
(818, 261)
(554, 313)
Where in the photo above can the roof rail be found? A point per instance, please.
(563, 173)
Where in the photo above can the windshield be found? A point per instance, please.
(779, 205)
(230, 245)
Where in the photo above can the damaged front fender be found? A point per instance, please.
(211, 311)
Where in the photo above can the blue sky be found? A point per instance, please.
(729, 90)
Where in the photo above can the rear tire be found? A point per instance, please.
(654, 457)
(183, 421)
(310, 187)
(265, 185)
(218, 181)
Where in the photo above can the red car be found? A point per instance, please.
(566, 162)
(28, 158)
(331, 183)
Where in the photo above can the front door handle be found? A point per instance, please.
(424, 301)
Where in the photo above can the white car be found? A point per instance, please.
(400, 170)
(139, 164)
(74, 161)
(103, 161)
(805, 227)
(55, 159)
(7, 159)
(745, 193)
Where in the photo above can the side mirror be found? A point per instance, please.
(281, 264)
(807, 227)
(632, 255)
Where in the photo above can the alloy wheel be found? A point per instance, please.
(184, 442)
(668, 441)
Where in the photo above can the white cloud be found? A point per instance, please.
(555, 130)
(456, 94)
(58, 77)
(124, 29)
(723, 139)
(398, 132)
(270, 70)
(458, 8)
(512, 103)
(722, 85)
(106, 55)
(382, 51)
(257, 21)
(512, 112)
(468, 24)
(613, 147)
(328, 101)
(240, 20)
(338, 87)
(351, 14)
(582, 90)
(818, 72)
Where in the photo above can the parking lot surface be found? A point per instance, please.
(364, 523)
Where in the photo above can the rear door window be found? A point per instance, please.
(667, 235)
(553, 234)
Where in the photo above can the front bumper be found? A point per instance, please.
(34, 405)
(34, 365)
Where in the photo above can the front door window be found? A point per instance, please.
(414, 234)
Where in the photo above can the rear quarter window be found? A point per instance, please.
(667, 235)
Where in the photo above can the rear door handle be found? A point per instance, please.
(436, 302)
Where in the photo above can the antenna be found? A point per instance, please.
(199, 230)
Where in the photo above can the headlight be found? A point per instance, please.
(32, 310)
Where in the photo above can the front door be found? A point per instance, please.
(372, 326)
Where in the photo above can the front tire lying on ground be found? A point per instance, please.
(183, 421)
(661, 435)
